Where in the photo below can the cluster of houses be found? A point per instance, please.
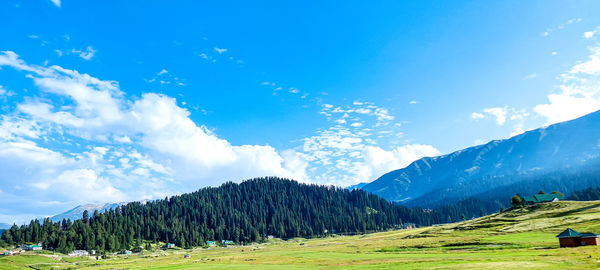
(22, 248)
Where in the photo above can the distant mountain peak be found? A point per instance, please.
(77, 212)
(560, 146)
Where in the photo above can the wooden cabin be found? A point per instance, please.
(573, 238)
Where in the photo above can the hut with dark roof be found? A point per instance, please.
(573, 238)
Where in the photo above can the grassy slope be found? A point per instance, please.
(523, 238)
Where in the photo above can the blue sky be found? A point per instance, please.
(109, 101)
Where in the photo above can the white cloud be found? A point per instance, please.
(477, 115)
(554, 53)
(412, 102)
(577, 95)
(517, 131)
(502, 114)
(589, 67)
(166, 145)
(12, 128)
(122, 139)
(518, 114)
(499, 113)
(87, 54)
(379, 161)
(56, 2)
(337, 154)
(220, 50)
(589, 34)
(530, 76)
(163, 71)
(52, 176)
(87, 184)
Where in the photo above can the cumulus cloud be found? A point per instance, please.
(577, 95)
(28, 168)
(120, 148)
(499, 113)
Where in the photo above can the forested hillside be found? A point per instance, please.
(565, 181)
(588, 194)
(238, 212)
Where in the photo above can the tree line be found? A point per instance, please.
(249, 211)
(245, 212)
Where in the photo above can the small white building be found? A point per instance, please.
(79, 253)
(33, 247)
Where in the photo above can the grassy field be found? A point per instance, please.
(522, 238)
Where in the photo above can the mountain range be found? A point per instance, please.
(552, 156)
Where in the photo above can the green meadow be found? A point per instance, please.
(522, 238)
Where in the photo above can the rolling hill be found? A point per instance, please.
(557, 154)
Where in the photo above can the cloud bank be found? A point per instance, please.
(84, 140)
